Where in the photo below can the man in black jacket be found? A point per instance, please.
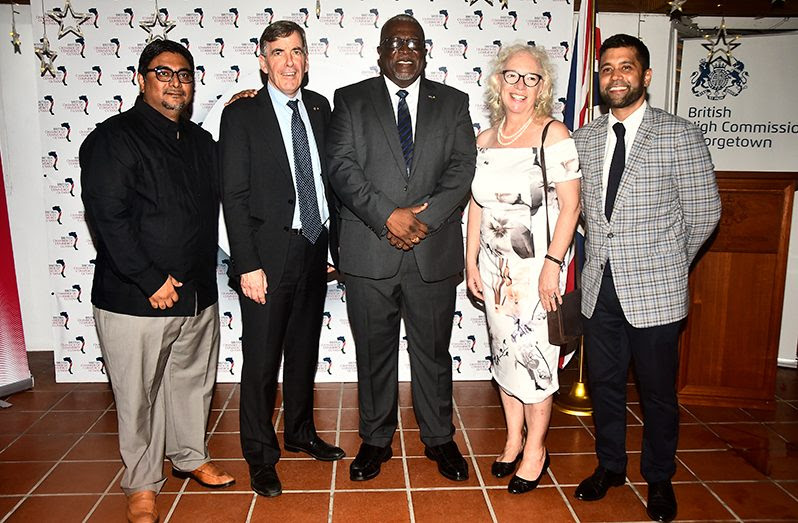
(151, 193)
(279, 222)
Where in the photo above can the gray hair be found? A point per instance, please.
(545, 99)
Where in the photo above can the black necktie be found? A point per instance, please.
(303, 170)
(616, 168)
(405, 127)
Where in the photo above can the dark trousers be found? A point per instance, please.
(610, 342)
(375, 308)
(288, 325)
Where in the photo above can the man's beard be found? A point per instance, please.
(173, 107)
(631, 96)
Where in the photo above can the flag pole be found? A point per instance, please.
(577, 402)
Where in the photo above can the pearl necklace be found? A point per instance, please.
(507, 140)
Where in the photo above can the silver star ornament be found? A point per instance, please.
(73, 24)
(46, 57)
(159, 19)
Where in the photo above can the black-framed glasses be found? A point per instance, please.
(530, 79)
(395, 43)
(165, 74)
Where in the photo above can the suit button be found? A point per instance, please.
(610, 235)
(285, 229)
(290, 201)
(601, 266)
(404, 188)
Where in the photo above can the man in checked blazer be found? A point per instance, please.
(650, 200)
(401, 152)
(279, 221)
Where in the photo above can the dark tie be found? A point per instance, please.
(405, 127)
(616, 168)
(303, 170)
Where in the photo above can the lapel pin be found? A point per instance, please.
(431, 96)
(315, 107)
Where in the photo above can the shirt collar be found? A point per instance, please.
(633, 120)
(159, 121)
(279, 97)
(412, 89)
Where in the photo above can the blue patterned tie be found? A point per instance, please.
(405, 127)
(303, 170)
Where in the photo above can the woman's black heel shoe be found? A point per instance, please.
(519, 485)
(501, 469)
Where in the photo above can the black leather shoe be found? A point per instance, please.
(451, 463)
(519, 485)
(264, 480)
(501, 469)
(318, 448)
(596, 486)
(661, 501)
(368, 461)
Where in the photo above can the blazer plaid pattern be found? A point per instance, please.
(666, 207)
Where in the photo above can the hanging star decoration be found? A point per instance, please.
(714, 47)
(159, 19)
(676, 8)
(46, 56)
(75, 19)
(15, 41)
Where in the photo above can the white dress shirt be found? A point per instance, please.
(411, 99)
(632, 124)
(284, 115)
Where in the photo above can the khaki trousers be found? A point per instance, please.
(162, 373)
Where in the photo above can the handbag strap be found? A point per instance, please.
(577, 279)
(542, 157)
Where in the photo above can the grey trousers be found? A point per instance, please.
(162, 373)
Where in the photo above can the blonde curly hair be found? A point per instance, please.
(545, 100)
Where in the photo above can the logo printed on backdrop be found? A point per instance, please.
(46, 104)
(717, 78)
(428, 44)
(254, 42)
(58, 268)
(320, 48)
(232, 363)
(328, 361)
(458, 319)
(566, 48)
(201, 69)
(185, 43)
(94, 16)
(458, 362)
(342, 339)
(305, 12)
(55, 215)
(101, 361)
(228, 322)
(125, 76)
(68, 360)
(326, 318)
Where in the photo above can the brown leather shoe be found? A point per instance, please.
(141, 507)
(208, 475)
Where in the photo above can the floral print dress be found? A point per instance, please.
(508, 185)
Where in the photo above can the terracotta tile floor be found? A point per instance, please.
(59, 462)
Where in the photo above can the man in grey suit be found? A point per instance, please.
(650, 200)
(401, 156)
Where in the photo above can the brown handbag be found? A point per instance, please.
(565, 324)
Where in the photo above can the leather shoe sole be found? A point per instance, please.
(336, 452)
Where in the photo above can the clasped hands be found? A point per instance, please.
(405, 230)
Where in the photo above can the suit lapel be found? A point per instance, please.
(271, 137)
(427, 115)
(317, 124)
(595, 167)
(636, 156)
(383, 108)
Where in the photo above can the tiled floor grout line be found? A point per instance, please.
(474, 462)
(251, 507)
(563, 495)
(708, 487)
(336, 442)
(104, 494)
(405, 470)
(58, 461)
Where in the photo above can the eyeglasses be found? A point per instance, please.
(395, 43)
(530, 79)
(165, 74)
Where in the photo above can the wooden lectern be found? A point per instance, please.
(729, 347)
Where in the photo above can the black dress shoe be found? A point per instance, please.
(596, 486)
(501, 469)
(368, 461)
(318, 448)
(451, 463)
(519, 485)
(661, 501)
(264, 480)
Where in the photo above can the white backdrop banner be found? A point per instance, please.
(738, 91)
(96, 78)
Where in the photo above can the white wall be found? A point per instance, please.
(20, 149)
